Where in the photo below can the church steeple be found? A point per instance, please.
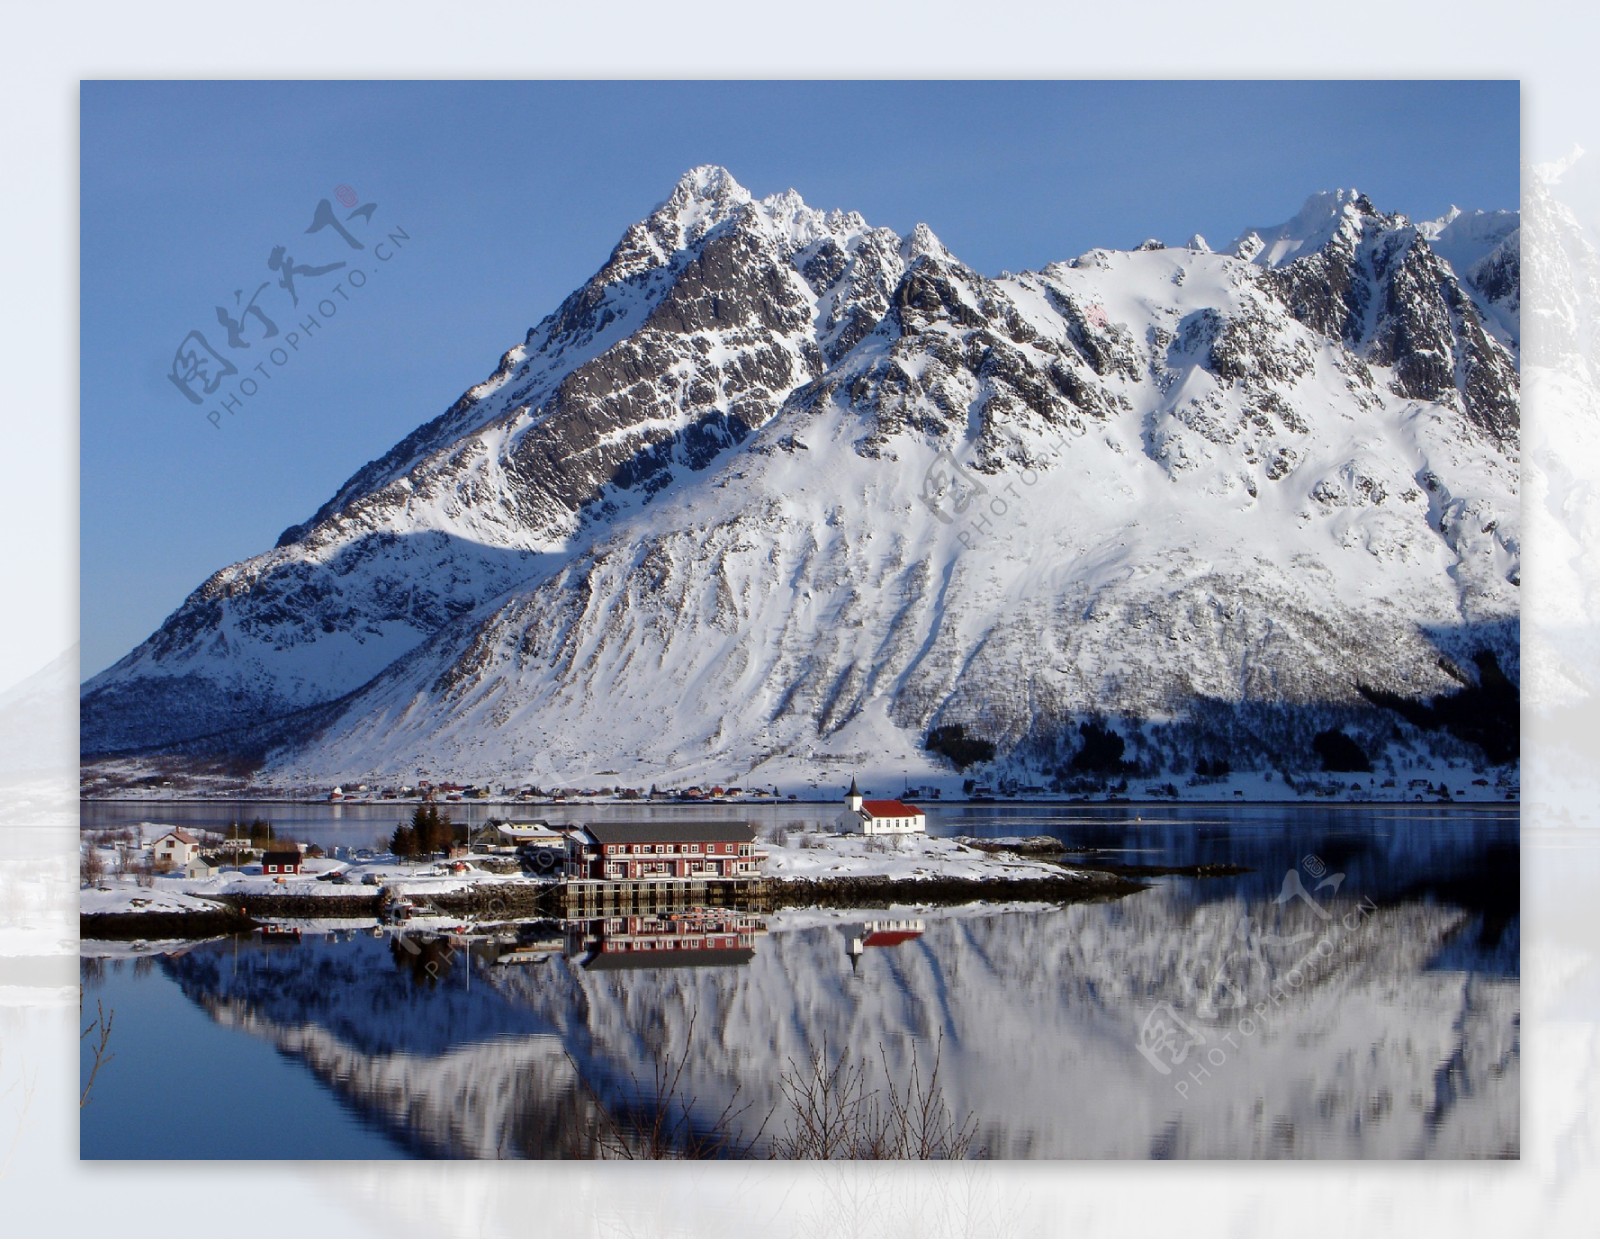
(852, 799)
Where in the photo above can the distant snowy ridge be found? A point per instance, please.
(776, 485)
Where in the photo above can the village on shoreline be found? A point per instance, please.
(1447, 788)
(157, 881)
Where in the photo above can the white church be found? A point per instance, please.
(880, 817)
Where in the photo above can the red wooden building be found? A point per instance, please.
(280, 862)
(662, 851)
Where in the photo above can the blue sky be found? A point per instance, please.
(509, 195)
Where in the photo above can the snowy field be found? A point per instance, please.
(908, 857)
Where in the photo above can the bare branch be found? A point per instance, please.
(101, 1022)
(664, 1127)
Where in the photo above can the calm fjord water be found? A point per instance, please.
(1355, 993)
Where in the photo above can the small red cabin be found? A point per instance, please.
(280, 863)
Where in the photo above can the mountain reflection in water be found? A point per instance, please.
(1378, 1016)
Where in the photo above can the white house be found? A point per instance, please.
(880, 817)
(175, 849)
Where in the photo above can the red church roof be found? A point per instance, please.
(890, 809)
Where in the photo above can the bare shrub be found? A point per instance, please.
(836, 1115)
(100, 1026)
(665, 1124)
(91, 866)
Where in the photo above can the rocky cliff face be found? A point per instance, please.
(776, 484)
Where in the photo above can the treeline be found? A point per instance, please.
(1487, 714)
(430, 831)
(953, 742)
(1213, 739)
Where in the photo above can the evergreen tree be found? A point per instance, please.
(1340, 753)
(431, 830)
(1101, 752)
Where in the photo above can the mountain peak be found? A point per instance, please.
(922, 241)
(709, 183)
(1331, 203)
(1432, 228)
(1455, 224)
(1325, 215)
(704, 197)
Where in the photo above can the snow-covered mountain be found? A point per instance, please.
(776, 485)
(1563, 381)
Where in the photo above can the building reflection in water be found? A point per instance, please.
(691, 938)
(881, 933)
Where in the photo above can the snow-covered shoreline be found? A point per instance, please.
(916, 867)
(907, 858)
